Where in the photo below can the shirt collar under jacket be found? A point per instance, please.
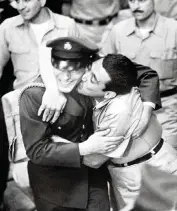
(20, 21)
(157, 27)
(103, 103)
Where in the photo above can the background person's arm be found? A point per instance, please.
(4, 51)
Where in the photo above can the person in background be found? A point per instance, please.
(95, 18)
(150, 39)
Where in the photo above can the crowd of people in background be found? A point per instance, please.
(88, 94)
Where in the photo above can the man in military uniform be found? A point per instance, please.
(57, 176)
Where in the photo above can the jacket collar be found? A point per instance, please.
(157, 27)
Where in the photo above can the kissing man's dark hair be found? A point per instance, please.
(122, 72)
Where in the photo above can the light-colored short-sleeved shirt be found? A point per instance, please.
(157, 50)
(94, 9)
(17, 41)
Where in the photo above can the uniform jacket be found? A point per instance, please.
(56, 172)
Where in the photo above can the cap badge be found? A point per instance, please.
(67, 46)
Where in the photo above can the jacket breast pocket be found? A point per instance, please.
(164, 62)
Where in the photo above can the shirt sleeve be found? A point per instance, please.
(73, 29)
(4, 51)
(148, 82)
(37, 135)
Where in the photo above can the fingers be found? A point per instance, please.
(55, 117)
(111, 148)
(41, 109)
(45, 114)
(103, 132)
(114, 140)
(50, 113)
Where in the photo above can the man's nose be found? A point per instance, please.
(66, 75)
(136, 5)
(84, 77)
(20, 5)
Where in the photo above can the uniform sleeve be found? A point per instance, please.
(4, 51)
(148, 82)
(37, 136)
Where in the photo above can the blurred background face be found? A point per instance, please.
(29, 9)
(141, 9)
(68, 74)
(93, 81)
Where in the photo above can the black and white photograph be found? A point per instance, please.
(88, 105)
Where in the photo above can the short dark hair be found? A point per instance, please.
(122, 72)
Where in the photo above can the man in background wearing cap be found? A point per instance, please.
(57, 176)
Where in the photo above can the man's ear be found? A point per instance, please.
(109, 94)
(89, 67)
(43, 2)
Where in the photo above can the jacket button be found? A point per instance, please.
(59, 128)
